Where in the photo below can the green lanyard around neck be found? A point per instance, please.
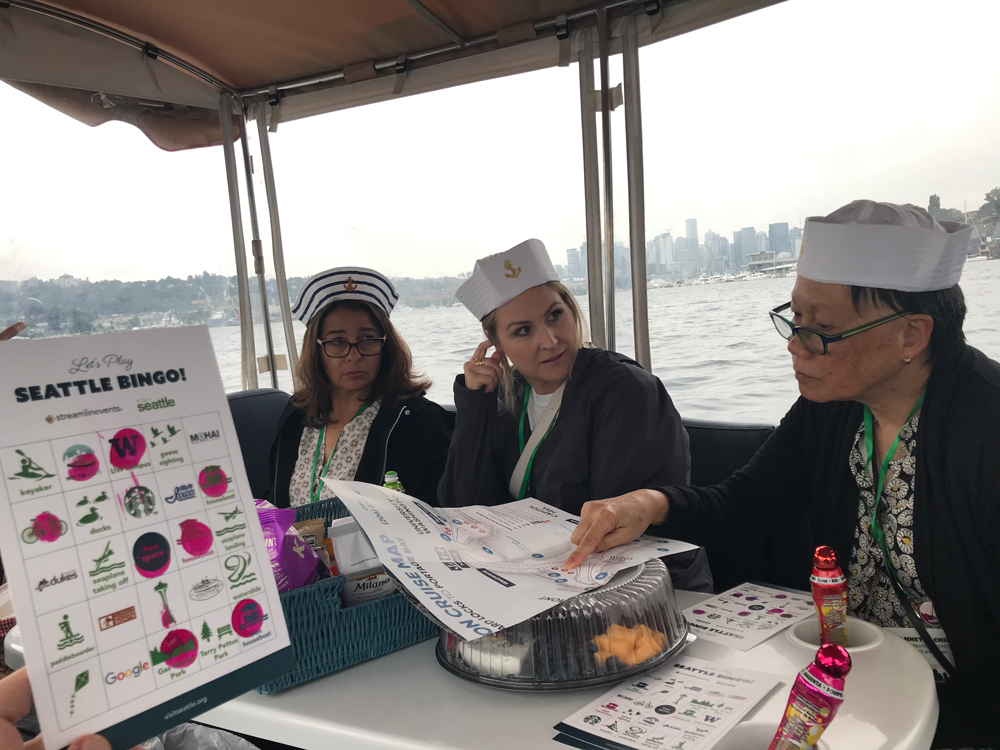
(520, 438)
(876, 527)
(316, 488)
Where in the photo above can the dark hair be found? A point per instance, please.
(945, 306)
(395, 378)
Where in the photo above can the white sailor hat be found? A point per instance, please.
(347, 282)
(884, 246)
(497, 279)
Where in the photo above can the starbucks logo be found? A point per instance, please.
(139, 502)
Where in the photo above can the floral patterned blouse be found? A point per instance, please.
(870, 593)
(344, 463)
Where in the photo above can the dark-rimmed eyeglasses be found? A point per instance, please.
(338, 348)
(813, 340)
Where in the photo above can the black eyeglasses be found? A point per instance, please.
(338, 348)
(812, 339)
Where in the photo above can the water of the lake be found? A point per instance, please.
(713, 346)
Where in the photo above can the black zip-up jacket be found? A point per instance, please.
(410, 437)
(617, 431)
(803, 468)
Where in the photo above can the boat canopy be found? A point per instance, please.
(162, 66)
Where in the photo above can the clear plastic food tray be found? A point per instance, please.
(626, 627)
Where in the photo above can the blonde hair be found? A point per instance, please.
(490, 329)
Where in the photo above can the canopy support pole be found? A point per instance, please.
(258, 253)
(591, 193)
(609, 212)
(248, 351)
(636, 192)
(277, 248)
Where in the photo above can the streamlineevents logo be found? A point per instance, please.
(53, 418)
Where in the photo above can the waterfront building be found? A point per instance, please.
(691, 225)
(762, 246)
(778, 238)
(574, 268)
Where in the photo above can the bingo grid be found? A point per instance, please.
(139, 558)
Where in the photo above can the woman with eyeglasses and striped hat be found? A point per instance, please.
(892, 452)
(359, 408)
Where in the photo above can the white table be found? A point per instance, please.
(407, 700)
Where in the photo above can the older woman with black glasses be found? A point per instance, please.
(359, 409)
(893, 450)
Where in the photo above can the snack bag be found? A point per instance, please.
(293, 561)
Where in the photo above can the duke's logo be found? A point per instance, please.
(56, 580)
(350, 285)
(204, 437)
(181, 492)
(513, 272)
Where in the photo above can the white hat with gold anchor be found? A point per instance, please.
(497, 279)
(347, 282)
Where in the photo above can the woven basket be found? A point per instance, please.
(328, 637)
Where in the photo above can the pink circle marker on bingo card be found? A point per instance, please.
(180, 648)
(81, 463)
(248, 617)
(128, 447)
(213, 481)
(196, 537)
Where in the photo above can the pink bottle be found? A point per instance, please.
(816, 695)
(829, 593)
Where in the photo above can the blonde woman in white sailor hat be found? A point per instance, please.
(359, 409)
(544, 417)
(892, 451)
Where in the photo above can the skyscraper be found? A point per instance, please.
(692, 230)
(744, 245)
(573, 268)
(761, 242)
(778, 239)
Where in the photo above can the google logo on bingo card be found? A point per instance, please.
(111, 677)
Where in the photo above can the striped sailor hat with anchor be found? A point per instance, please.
(347, 282)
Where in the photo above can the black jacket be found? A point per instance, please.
(617, 429)
(803, 467)
(409, 437)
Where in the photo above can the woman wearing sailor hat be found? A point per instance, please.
(359, 409)
(890, 452)
(542, 416)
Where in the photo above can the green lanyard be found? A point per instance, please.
(317, 490)
(876, 527)
(520, 438)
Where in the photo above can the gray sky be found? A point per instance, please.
(787, 112)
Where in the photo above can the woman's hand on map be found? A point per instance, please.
(11, 331)
(617, 520)
(15, 703)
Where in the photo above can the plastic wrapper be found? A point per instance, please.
(196, 737)
(627, 626)
(294, 562)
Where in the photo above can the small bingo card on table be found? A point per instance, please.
(140, 577)
(748, 614)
